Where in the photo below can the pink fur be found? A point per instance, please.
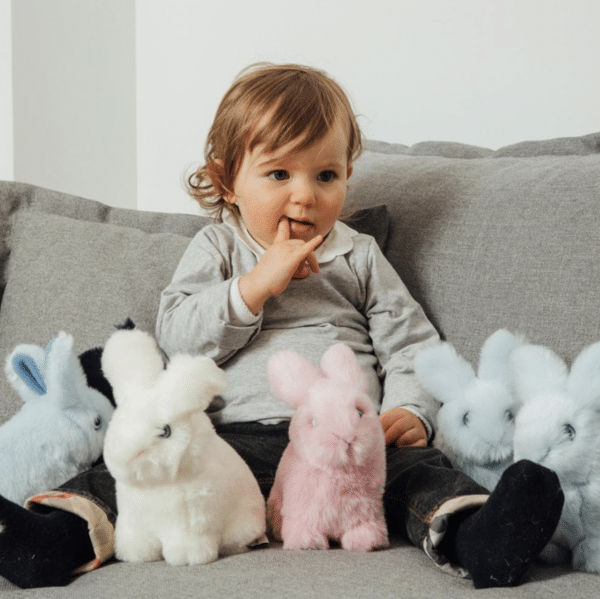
(329, 482)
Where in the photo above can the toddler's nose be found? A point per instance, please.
(304, 193)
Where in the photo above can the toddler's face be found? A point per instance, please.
(308, 188)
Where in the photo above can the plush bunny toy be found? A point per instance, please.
(60, 429)
(183, 493)
(475, 424)
(559, 427)
(329, 482)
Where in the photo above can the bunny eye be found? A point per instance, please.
(509, 416)
(314, 422)
(360, 412)
(166, 432)
(465, 419)
(97, 423)
(569, 432)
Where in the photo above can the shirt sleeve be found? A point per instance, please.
(238, 310)
(195, 313)
(399, 328)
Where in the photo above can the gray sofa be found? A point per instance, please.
(484, 239)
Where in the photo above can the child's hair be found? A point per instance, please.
(271, 105)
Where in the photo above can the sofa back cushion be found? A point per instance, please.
(487, 240)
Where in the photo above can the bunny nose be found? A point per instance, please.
(348, 439)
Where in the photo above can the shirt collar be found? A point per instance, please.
(337, 243)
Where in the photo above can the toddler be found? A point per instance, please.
(278, 269)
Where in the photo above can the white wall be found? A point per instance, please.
(113, 98)
(74, 97)
(475, 71)
(6, 110)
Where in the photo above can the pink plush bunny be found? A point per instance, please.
(329, 482)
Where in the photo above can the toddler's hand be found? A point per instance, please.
(283, 260)
(402, 428)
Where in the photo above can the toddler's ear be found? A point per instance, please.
(216, 172)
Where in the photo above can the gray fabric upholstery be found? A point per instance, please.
(401, 572)
(483, 239)
(499, 241)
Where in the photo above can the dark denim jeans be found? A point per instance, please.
(419, 480)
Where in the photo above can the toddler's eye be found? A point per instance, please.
(327, 176)
(279, 175)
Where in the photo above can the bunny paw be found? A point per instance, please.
(305, 540)
(200, 551)
(366, 537)
(137, 554)
(586, 556)
(131, 547)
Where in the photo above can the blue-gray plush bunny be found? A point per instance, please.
(60, 429)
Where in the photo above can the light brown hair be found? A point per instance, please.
(271, 105)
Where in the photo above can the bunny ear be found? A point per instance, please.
(188, 384)
(131, 358)
(24, 368)
(340, 364)
(291, 376)
(584, 380)
(63, 369)
(494, 361)
(537, 369)
(443, 373)
(25, 371)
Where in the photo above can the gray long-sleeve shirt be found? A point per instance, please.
(357, 298)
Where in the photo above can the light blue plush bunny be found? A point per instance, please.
(60, 429)
(559, 427)
(476, 422)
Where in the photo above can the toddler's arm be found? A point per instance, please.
(399, 329)
(193, 314)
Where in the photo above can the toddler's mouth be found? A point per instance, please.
(299, 228)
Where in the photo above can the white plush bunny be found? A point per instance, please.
(59, 431)
(559, 427)
(475, 424)
(183, 493)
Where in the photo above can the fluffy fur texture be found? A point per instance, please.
(183, 494)
(330, 480)
(559, 427)
(475, 424)
(60, 429)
